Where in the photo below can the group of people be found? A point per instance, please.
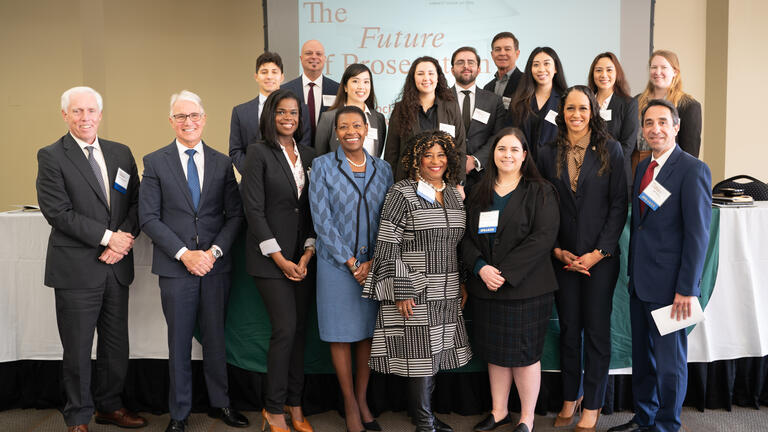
(510, 198)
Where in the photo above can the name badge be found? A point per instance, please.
(606, 114)
(488, 223)
(426, 191)
(551, 116)
(328, 100)
(481, 116)
(373, 133)
(506, 100)
(121, 181)
(449, 129)
(654, 195)
(369, 144)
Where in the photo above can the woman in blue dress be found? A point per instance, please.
(346, 194)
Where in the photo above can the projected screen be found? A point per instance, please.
(388, 35)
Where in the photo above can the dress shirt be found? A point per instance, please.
(661, 161)
(99, 156)
(501, 82)
(428, 120)
(262, 99)
(575, 158)
(606, 102)
(317, 92)
(461, 96)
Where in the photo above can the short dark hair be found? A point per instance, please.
(665, 103)
(462, 49)
(505, 35)
(269, 57)
(267, 123)
(349, 109)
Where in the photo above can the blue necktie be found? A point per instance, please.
(193, 181)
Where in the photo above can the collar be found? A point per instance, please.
(472, 89)
(84, 144)
(182, 148)
(663, 158)
(508, 74)
(295, 148)
(305, 81)
(582, 143)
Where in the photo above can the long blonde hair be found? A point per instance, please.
(675, 93)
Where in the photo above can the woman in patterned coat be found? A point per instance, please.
(415, 274)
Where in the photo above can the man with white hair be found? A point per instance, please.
(87, 189)
(189, 205)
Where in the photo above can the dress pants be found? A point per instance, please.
(287, 303)
(585, 303)
(188, 301)
(78, 313)
(659, 369)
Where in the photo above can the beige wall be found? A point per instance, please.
(136, 54)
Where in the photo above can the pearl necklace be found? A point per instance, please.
(365, 160)
(440, 189)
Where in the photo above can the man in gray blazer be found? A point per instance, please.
(482, 111)
(189, 205)
(87, 189)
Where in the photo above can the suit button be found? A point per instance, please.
(640, 228)
(197, 218)
(296, 210)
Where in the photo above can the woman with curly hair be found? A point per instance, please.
(586, 166)
(426, 104)
(415, 274)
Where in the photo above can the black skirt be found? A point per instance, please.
(511, 333)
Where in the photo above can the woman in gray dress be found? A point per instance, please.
(346, 194)
(415, 274)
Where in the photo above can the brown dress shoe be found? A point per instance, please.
(77, 428)
(121, 418)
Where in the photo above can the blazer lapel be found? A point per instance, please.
(278, 154)
(209, 168)
(345, 169)
(112, 166)
(76, 155)
(174, 162)
(588, 168)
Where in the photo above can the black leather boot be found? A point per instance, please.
(420, 400)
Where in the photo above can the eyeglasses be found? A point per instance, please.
(181, 118)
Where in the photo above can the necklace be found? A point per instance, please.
(440, 189)
(365, 160)
(514, 183)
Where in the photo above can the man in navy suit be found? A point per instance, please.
(666, 258)
(505, 49)
(189, 205)
(313, 83)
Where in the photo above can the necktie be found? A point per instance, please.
(311, 105)
(465, 111)
(647, 177)
(193, 180)
(96, 171)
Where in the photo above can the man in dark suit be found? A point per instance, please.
(666, 257)
(189, 205)
(244, 127)
(88, 189)
(313, 89)
(481, 111)
(505, 50)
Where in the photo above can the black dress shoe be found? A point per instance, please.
(522, 427)
(440, 426)
(176, 426)
(630, 426)
(229, 416)
(372, 425)
(490, 423)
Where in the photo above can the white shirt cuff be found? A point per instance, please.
(478, 165)
(180, 253)
(214, 247)
(310, 242)
(269, 246)
(106, 237)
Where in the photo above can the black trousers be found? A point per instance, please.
(287, 303)
(78, 313)
(584, 303)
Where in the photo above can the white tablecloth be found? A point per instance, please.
(27, 308)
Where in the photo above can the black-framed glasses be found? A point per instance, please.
(181, 118)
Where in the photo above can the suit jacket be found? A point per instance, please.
(330, 88)
(447, 113)
(69, 198)
(667, 247)
(594, 216)
(272, 208)
(326, 140)
(480, 135)
(521, 248)
(689, 136)
(169, 218)
(536, 128)
(509, 90)
(336, 202)
(624, 126)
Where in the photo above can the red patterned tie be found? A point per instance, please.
(647, 177)
(311, 105)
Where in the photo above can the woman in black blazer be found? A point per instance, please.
(511, 280)
(279, 247)
(426, 103)
(618, 109)
(586, 167)
(534, 105)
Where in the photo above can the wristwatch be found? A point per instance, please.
(216, 251)
(355, 266)
(604, 253)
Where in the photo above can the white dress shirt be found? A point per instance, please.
(661, 161)
(262, 99)
(461, 96)
(98, 155)
(317, 92)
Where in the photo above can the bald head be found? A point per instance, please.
(312, 59)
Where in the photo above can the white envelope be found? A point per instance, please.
(667, 325)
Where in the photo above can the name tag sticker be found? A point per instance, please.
(654, 195)
(551, 116)
(606, 114)
(369, 144)
(426, 191)
(481, 116)
(328, 100)
(449, 129)
(121, 181)
(373, 133)
(488, 223)
(506, 100)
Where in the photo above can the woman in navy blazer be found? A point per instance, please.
(534, 105)
(586, 167)
(279, 247)
(346, 195)
(619, 109)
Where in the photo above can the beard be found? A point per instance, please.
(465, 81)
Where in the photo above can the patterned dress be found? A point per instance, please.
(416, 258)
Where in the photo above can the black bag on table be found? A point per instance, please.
(754, 188)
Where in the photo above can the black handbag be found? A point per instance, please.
(754, 188)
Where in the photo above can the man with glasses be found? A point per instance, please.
(189, 205)
(481, 111)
